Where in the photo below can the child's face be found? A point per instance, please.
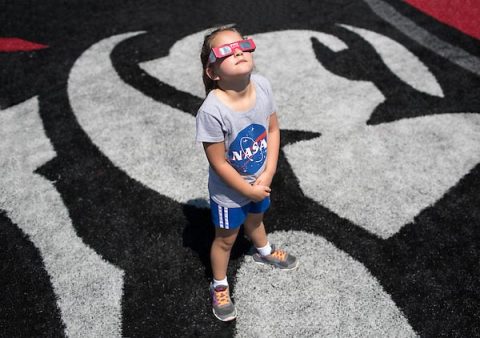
(238, 64)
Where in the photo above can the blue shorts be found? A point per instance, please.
(232, 218)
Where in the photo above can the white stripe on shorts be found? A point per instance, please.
(225, 212)
(220, 216)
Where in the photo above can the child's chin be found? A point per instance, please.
(243, 69)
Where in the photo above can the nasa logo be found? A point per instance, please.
(249, 150)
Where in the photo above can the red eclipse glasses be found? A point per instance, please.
(226, 50)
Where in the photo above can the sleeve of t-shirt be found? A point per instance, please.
(209, 128)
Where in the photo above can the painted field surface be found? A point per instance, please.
(105, 226)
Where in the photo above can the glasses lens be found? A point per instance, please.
(245, 45)
(211, 57)
(225, 50)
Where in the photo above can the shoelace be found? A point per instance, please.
(222, 297)
(279, 254)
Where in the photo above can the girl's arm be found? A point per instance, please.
(216, 156)
(273, 149)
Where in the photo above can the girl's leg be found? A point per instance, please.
(255, 229)
(220, 251)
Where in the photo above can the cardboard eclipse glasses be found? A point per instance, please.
(228, 49)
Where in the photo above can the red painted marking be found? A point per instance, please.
(463, 15)
(19, 45)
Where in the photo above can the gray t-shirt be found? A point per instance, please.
(245, 136)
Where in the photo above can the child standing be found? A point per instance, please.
(237, 124)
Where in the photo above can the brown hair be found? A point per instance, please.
(206, 48)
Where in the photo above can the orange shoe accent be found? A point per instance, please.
(222, 297)
(279, 254)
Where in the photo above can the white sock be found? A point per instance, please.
(266, 250)
(219, 282)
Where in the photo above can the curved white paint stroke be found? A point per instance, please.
(380, 177)
(88, 289)
(309, 97)
(181, 68)
(329, 295)
(152, 142)
(401, 62)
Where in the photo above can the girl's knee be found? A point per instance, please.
(225, 238)
(226, 242)
(253, 220)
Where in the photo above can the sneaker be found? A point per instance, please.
(222, 305)
(278, 258)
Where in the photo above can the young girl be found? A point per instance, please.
(238, 126)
